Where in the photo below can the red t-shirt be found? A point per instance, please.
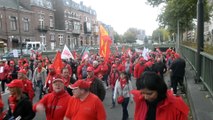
(90, 109)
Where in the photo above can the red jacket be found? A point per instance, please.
(113, 76)
(172, 108)
(121, 67)
(79, 70)
(28, 89)
(139, 69)
(55, 105)
(48, 82)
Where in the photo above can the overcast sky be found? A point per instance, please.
(123, 14)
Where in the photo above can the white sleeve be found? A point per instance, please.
(130, 89)
(115, 89)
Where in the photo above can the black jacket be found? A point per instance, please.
(178, 67)
(98, 88)
(23, 109)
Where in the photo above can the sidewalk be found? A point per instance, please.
(200, 101)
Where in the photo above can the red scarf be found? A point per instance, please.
(39, 69)
(123, 82)
(12, 103)
(90, 79)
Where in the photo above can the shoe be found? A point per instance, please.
(113, 106)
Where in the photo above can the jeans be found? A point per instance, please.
(105, 79)
(125, 111)
(40, 85)
(113, 101)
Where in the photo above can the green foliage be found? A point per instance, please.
(117, 38)
(160, 35)
(130, 35)
(182, 11)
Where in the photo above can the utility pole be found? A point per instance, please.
(200, 37)
(19, 25)
(5, 18)
(178, 36)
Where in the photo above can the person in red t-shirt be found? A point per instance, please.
(84, 105)
(55, 103)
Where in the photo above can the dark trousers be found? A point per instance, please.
(125, 111)
(113, 101)
(105, 79)
(175, 80)
(3, 84)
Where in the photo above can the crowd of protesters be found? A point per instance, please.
(78, 91)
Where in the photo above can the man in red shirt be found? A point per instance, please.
(139, 68)
(84, 105)
(49, 79)
(55, 103)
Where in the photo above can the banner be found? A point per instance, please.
(66, 54)
(105, 42)
(57, 63)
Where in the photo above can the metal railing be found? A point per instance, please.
(206, 66)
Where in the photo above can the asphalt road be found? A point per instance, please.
(112, 114)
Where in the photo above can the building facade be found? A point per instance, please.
(53, 23)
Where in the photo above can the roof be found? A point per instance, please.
(10, 4)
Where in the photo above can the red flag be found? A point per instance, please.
(57, 63)
(85, 54)
(105, 42)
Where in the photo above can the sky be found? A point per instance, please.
(123, 14)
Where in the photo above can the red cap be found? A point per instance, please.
(142, 59)
(23, 71)
(177, 55)
(90, 69)
(12, 62)
(81, 84)
(51, 66)
(26, 65)
(114, 66)
(58, 78)
(16, 83)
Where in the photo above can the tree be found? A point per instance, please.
(130, 35)
(160, 35)
(180, 11)
(117, 38)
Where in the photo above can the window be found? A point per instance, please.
(13, 23)
(52, 37)
(51, 22)
(66, 25)
(0, 22)
(61, 39)
(52, 44)
(43, 39)
(26, 24)
(41, 21)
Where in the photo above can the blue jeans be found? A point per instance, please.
(40, 85)
(125, 111)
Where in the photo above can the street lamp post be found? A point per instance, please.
(200, 37)
(19, 24)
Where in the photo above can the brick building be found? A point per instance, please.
(53, 23)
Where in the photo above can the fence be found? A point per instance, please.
(206, 66)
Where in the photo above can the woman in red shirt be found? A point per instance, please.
(154, 102)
